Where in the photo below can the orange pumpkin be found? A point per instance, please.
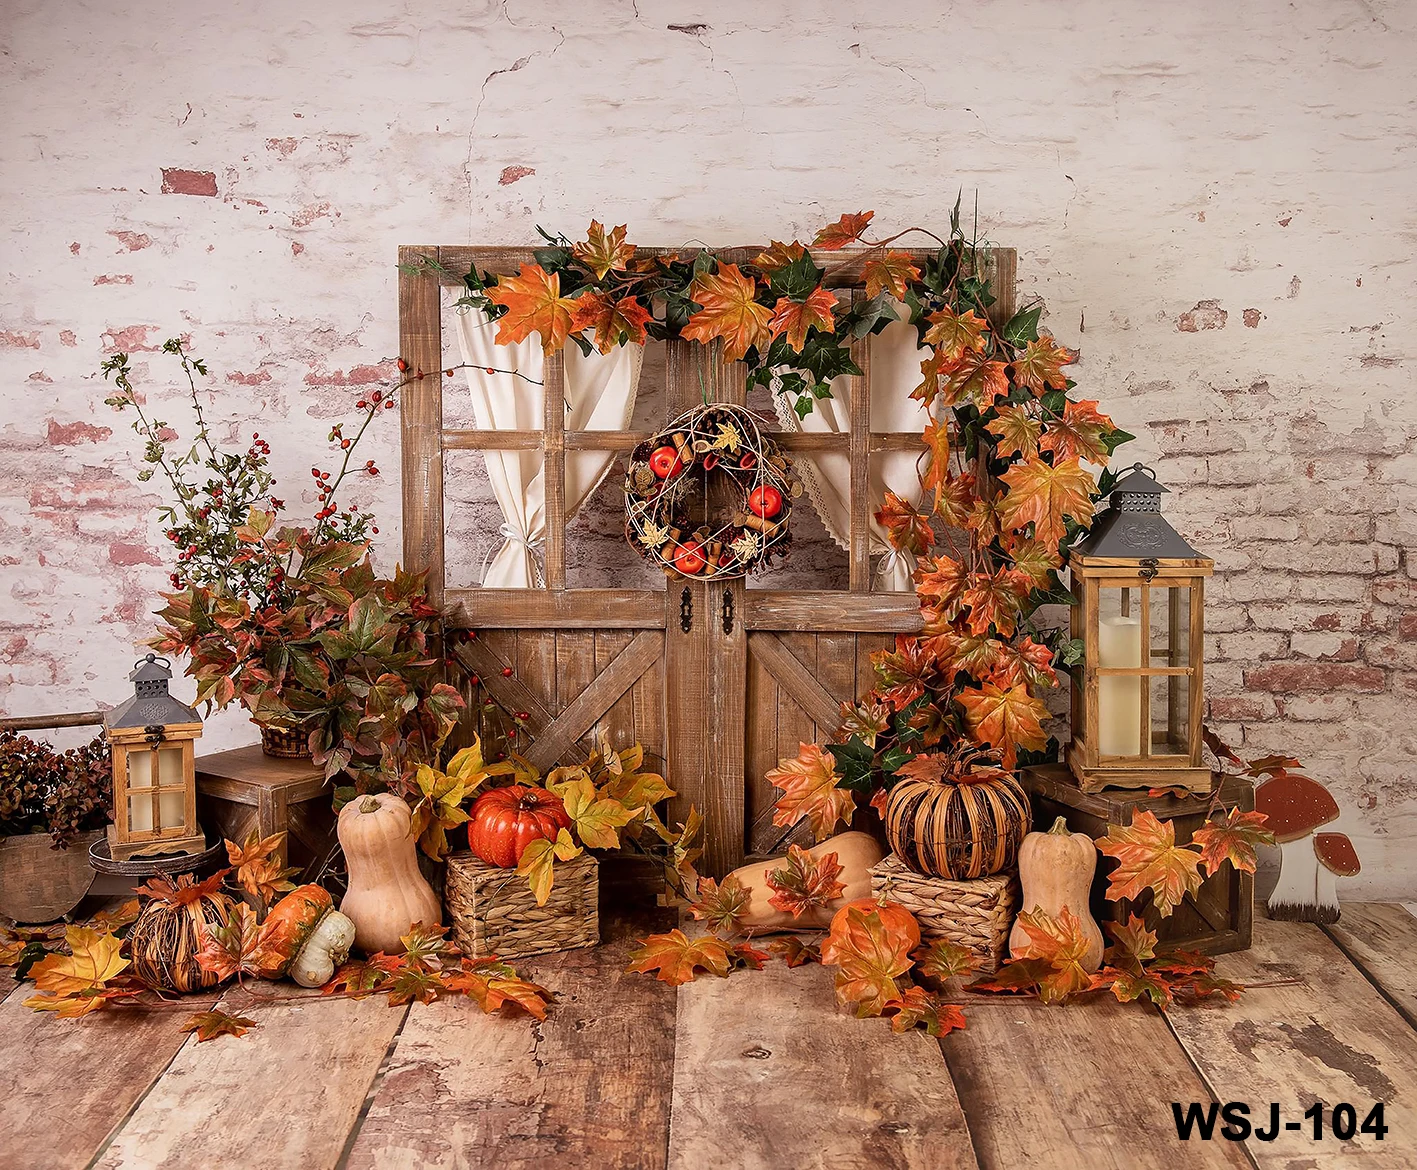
(506, 820)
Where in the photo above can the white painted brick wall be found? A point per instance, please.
(1215, 200)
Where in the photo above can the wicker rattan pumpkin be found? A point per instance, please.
(956, 823)
(172, 928)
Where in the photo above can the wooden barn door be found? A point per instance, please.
(718, 680)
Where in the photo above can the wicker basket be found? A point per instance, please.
(493, 911)
(974, 914)
(283, 743)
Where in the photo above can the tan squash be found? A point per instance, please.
(1055, 869)
(387, 894)
(855, 852)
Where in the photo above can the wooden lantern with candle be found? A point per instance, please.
(1136, 703)
(152, 738)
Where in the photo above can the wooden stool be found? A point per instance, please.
(244, 788)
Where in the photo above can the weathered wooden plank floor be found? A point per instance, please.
(755, 1071)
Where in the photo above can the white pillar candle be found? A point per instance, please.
(1119, 696)
(140, 802)
(169, 768)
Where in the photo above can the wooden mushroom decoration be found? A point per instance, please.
(1337, 858)
(1295, 806)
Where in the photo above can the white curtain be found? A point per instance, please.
(895, 372)
(600, 396)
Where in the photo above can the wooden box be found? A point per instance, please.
(974, 914)
(245, 789)
(1217, 920)
(492, 910)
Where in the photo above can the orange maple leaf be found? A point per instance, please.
(937, 442)
(870, 944)
(794, 318)
(1042, 365)
(231, 948)
(942, 959)
(916, 1007)
(1007, 718)
(603, 253)
(82, 981)
(210, 1024)
(1043, 494)
(905, 673)
(1032, 558)
(846, 230)
(778, 256)
(1232, 839)
(1026, 661)
(729, 311)
(972, 654)
(676, 958)
(890, 273)
(1149, 858)
(494, 985)
(955, 334)
(994, 600)
(805, 882)
(1060, 943)
(534, 304)
(809, 790)
(956, 500)
(1133, 944)
(905, 527)
(976, 380)
(1017, 430)
(721, 906)
(1078, 434)
(943, 580)
(615, 322)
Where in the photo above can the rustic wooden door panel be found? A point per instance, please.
(756, 673)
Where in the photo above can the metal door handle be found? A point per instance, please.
(686, 610)
(728, 611)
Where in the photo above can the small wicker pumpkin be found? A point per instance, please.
(172, 929)
(955, 829)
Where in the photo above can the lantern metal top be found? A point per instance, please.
(1132, 527)
(150, 703)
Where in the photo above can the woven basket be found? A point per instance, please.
(974, 914)
(283, 743)
(493, 911)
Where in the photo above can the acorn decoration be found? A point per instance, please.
(677, 516)
(172, 928)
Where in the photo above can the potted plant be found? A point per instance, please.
(291, 620)
(53, 805)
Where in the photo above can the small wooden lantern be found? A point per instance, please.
(1136, 715)
(152, 738)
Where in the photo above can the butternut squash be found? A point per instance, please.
(387, 894)
(855, 852)
(1055, 869)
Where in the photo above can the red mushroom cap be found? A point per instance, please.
(1295, 805)
(1335, 851)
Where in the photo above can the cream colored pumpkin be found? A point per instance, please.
(855, 852)
(387, 894)
(1055, 869)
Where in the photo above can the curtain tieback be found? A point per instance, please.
(515, 536)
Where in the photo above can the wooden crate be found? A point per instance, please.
(1217, 920)
(244, 789)
(492, 910)
(974, 914)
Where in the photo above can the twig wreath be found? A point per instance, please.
(710, 495)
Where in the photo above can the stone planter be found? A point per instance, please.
(40, 884)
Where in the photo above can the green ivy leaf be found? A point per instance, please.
(1022, 327)
(855, 764)
(796, 280)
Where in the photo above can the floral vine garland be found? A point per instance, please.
(1007, 470)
